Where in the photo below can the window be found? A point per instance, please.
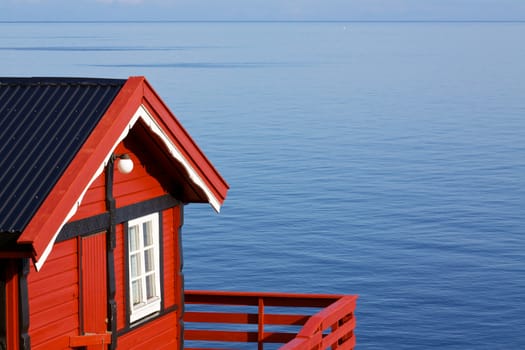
(144, 266)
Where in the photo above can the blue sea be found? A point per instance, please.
(384, 159)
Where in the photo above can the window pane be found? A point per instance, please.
(134, 242)
(149, 259)
(143, 268)
(135, 265)
(150, 286)
(137, 292)
(148, 234)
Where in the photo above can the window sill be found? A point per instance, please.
(147, 310)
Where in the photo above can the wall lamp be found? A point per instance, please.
(124, 164)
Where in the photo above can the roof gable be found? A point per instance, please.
(43, 124)
(135, 101)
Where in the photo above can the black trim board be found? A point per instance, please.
(125, 262)
(84, 227)
(161, 260)
(23, 300)
(111, 242)
(98, 223)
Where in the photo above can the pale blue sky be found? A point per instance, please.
(18, 10)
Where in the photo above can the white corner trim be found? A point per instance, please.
(40, 262)
(143, 114)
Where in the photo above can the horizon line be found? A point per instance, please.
(275, 21)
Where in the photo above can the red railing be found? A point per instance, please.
(213, 320)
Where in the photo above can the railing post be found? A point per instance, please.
(260, 328)
(344, 320)
(335, 326)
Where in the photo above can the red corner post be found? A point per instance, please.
(9, 277)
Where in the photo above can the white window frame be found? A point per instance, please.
(137, 274)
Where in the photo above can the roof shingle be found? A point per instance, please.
(43, 124)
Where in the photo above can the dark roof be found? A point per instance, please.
(43, 124)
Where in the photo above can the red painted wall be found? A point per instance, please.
(53, 299)
(158, 334)
(93, 276)
(93, 202)
(54, 291)
(10, 300)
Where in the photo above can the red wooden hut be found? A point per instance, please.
(95, 176)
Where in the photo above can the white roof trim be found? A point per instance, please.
(146, 117)
(40, 262)
(177, 155)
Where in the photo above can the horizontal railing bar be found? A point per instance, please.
(214, 348)
(252, 299)
(220, 317)
(317, 303)
(329, 315)
(339, 333)
(296, 344)
(285, 320)
(244, 318)
(225, 336)
(348, 344)
(338, 310)
(208, 348)
(264, 294)
(312, 333)
(278, 337)
(236, 336)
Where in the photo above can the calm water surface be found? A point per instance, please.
(379, 159)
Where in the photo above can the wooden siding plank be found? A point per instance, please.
(90, 339)
(137, 197)
(62, 249)
(152, 334)
(59, 329)
(169, 255)
(9, 274)
(53, 298)
(61, 280)
(89, 209)
(137, 186)
(46, 302)
(60, 265)
(94, 291)
(61, 310)
(173, 345)
(93, 202)
(61, 343)
(140, 181)
(120, 285)
(158, 340)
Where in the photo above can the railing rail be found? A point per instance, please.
(299, 321)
